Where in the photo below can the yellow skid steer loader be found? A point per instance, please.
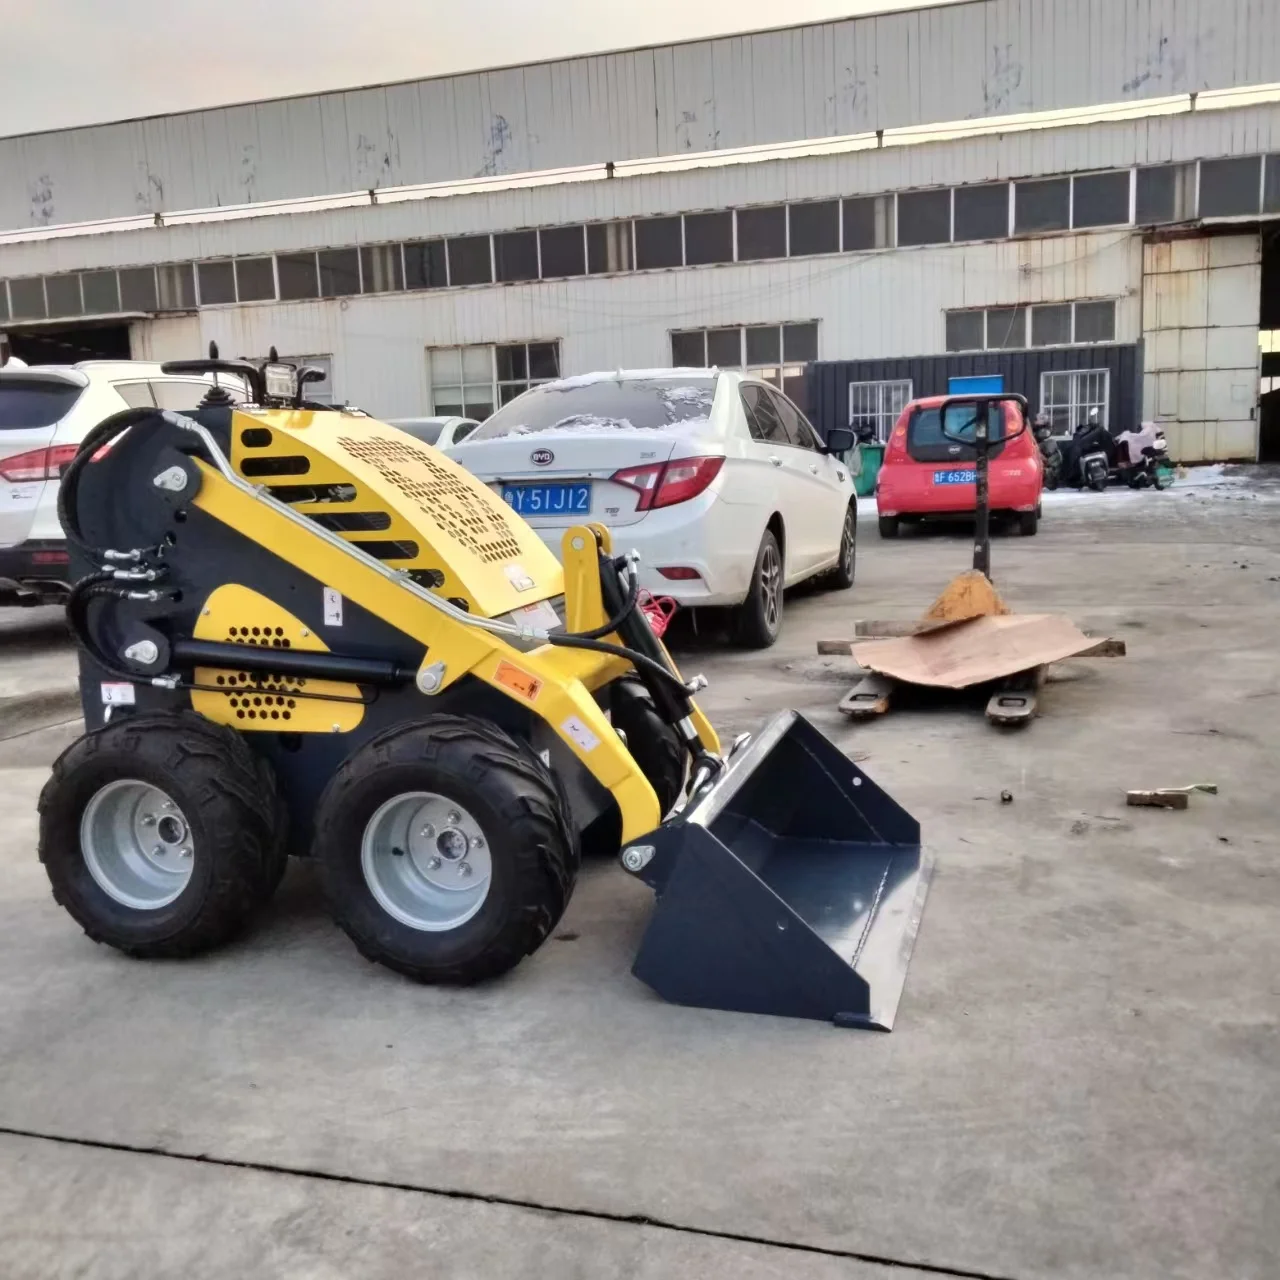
(305, 632)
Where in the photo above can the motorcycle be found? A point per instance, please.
(1142, 458)
(1088, 457)
(1050, 453)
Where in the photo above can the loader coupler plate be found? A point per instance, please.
(794, 886)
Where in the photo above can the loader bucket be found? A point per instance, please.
(794, 886)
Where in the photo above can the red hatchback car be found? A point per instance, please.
(925, 474)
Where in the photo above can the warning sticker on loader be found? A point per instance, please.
(118, 694)
(519, 682)
(332, 607)
(578, 732)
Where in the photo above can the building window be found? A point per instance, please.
(659, 243)
(470, 261)
(298, 277)
(1230, 188)
(63, 293)
(425, 265)
(966, 330)
(255, 279)
(101, 293)
(1051, 325)
(469, 382)
(138, 289)
(381, 268)
(1043, 205)
(762, 233)
(176, 286)
(608, 247)
(217, 282)
(982, 212)
(1100, 199)
(339, 272)
(1070, 399)
(868, 223)
(924, 217)
(1006, 328)
(814, 228)
(1095, 321)
(26, 297)
(708, 238)
(1165, 193)
(1271, 186)
(515, 255)
(564, 252)
(775, 353)
(877, 405)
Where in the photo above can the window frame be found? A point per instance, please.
(884, 416)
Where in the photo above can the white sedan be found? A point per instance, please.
(716, 479)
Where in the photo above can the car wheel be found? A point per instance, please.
(758, 620)
(888, 526)
(1028, 522)
(841, 577)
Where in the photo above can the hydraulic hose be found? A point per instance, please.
(628, 608)
(619, 651)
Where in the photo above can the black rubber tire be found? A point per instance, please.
(229, 801)
(751, 626)
(1098, 486)
(518, 804)
(278, 855)
(841, 577)
(888, 526)
(1028, 523)
(654, 745)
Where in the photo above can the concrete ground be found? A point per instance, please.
(1084, 1080)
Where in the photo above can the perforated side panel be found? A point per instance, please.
(483, 528)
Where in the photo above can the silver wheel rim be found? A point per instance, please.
(137, 844)
(846, 546)
(771, 586)
(426, 861)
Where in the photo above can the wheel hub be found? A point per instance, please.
(137, 844)
(426, 861)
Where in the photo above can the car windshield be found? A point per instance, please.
(427, 432)
(35, 404)
(644, 403)
(926, 426)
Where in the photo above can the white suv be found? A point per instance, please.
(45, 411)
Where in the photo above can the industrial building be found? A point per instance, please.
(1080, 195)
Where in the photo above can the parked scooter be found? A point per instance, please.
(1050, 453)
(1089, 456)
(1142, 458)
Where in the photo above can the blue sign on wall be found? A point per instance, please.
(987, 385)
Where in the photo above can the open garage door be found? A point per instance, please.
(68, 343)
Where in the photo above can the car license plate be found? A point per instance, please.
(548, 499)
(966, 475)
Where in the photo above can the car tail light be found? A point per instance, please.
(50, 557)
(678, 573)
(39, 464)
(663, 484)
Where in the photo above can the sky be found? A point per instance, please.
(70, 62)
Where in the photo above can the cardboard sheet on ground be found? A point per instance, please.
(974, 651)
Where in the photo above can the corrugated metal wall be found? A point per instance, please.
(1021, 370)
(1201, 303)
(969, 60)
(869, 305)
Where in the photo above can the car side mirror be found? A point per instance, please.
(840, 440)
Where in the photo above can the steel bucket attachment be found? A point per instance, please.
(794, 886)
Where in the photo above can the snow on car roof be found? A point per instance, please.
(628, 375)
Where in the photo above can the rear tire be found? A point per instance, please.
(841, 577)
(888, 526)
(394, 905)
(758, 620)
(1028, 522)
(197, 791)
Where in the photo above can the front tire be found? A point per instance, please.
(446, 850)
(654, 745)
(758, 620)
(159, 834)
